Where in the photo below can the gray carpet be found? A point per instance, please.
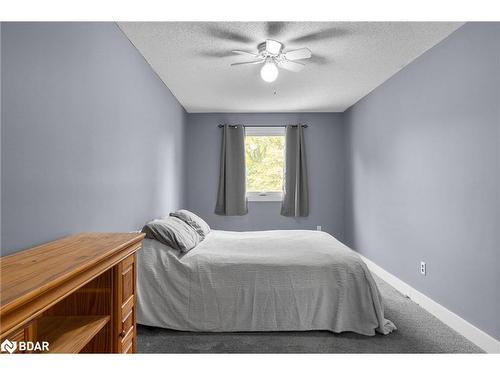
(418, 332)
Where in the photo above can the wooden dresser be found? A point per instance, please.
(77, 294)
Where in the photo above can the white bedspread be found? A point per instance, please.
(259, 281)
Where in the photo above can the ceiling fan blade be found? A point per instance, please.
(333, 32)
(298, 54)
(320, 59)
(291, 65)
(248, 62)
(225, 34)
(213, 53)
(273, 47)
(275, 28)
(238, 52)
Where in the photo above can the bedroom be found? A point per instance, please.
(250, 187)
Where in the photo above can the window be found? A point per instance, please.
(265, 162)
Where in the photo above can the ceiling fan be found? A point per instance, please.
(271, 54)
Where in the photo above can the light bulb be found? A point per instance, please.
(269, 71)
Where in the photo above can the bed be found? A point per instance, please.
(290, 280)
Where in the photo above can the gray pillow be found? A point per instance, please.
(196, 222)
(172, 232)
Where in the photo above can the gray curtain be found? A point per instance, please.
(231, 196)
(295, 193)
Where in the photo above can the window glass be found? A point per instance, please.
(264, 162)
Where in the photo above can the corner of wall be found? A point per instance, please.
(185, 154)
(348, 219)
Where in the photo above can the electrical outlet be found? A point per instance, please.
(423, 268)
(318, 227)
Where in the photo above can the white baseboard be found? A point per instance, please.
(472, 333)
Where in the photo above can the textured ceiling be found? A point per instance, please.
(349, 60)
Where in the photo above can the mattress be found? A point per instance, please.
(292, 280)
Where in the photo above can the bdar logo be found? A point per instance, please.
(8, 346)
(24, 346)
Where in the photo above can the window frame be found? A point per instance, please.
(265, 196)
(263, 131)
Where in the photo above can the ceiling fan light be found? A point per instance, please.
(273, 47)
(269, 71)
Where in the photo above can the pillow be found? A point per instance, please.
(196, 222)
(172, 232)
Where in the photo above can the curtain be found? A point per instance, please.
(295, 192)
(231, 196)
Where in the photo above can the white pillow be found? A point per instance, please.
(196, 222)
(173, 232)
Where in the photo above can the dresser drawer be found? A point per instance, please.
(127, 344)
(127, 267)
(127, 318)
(125, 327)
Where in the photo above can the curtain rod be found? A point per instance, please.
(262, 126)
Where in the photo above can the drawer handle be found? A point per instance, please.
(125, 333)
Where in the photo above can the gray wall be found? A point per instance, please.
(325, 158)
(92, 140)
(424, 172)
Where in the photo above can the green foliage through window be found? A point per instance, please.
(264, 162)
